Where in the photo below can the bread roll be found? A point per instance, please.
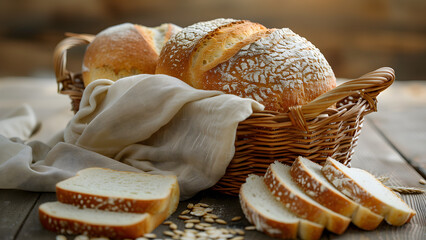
(276, 67)
(124, 50)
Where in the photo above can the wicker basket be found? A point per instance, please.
(329, 126)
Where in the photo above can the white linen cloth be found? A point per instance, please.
(151, 123)
(18, 123)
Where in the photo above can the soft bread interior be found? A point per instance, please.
(158, 35)
(91, 216)
(105, 182)
(257, 194)
(315, 170)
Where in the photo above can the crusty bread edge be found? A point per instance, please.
(304, 229)
(153, 206)
(71, 226)
(353, 190)
(324, 195)
(332, 221)
(360, 216)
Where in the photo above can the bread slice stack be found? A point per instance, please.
(109, 203)
(310, 197)
(365, 189)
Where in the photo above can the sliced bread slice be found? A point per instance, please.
(365, 189)
(112, 190)
(280, 183)
(268, 214)
(310, 179)
(68, 219)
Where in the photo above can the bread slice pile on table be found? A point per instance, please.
(109, 203)
(302, 200)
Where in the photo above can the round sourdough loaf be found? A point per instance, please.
(275, 67)
(124, 50)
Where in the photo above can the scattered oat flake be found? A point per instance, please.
(249, 228)
(61, 237)
(173, 226)
(150, 235)
(422, 181)
(236, 218)
(220, 221)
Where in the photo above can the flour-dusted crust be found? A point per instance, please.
(292, 227)
(125, 49)
(275, 67)
(309, 177)
(84, 197)
(278, 180)
(350, 182)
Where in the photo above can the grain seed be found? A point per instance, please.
(250, 228)
(190, 205)
(168, 233)
(211, 215)
(192, 221)
(186, 211)
(173, 226)
(61, 237)
(198, 213)
(189, 225)
(422, 181)
(208, 210)
(167, 222)
(179, 232)
(239, 231)
(203, 205)
(205, 224)
(221, 221)
(236, 218)
(199, 227)
(209, 220)
(184, 217)
(150, 235)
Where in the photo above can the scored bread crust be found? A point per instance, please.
(67, 225)
(331, 198)
(350, 187)
(124, 50)
(103, 202)
(275, 67)
(278, 229)
(299, 204)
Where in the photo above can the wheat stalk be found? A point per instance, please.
(400, 189)
(406, 190)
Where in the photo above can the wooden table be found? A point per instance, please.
(392, 143)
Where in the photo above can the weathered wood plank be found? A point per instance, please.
(14, 208)
(32, 228)
(402, 120)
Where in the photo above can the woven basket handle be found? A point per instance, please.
(60, 54)
(368, 86)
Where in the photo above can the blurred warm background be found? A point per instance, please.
(356, 36)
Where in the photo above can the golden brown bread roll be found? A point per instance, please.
(276, 67)
(124, 50)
